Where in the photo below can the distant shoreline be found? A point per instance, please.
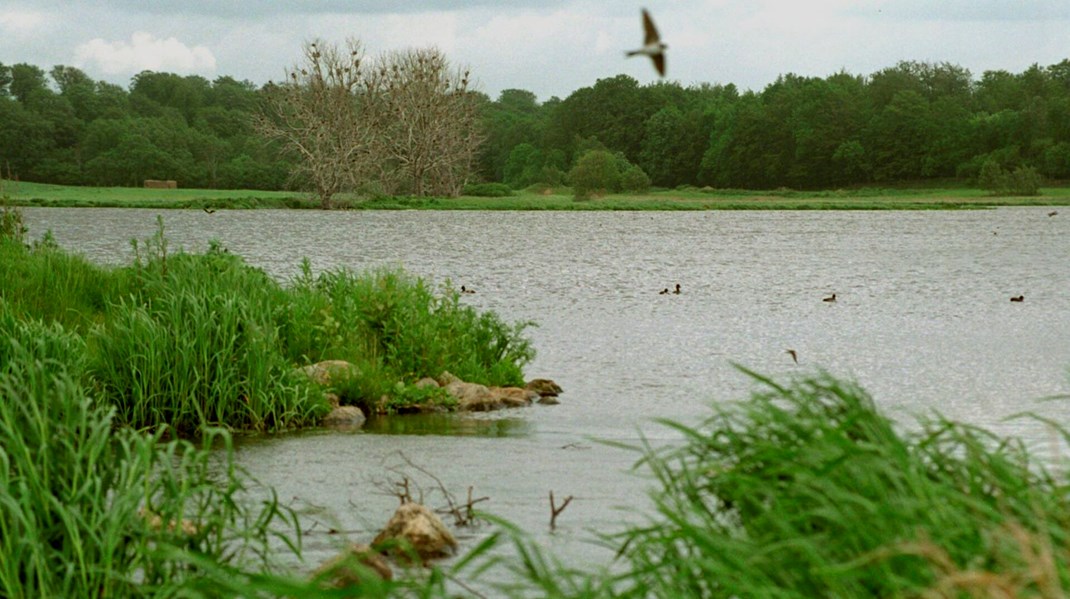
(24, 194)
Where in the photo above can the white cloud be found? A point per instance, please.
(21, 21)
(145, 52)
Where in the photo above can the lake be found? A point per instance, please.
(922, 321)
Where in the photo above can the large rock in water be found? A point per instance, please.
(344, 417)
(472, 397)
(346, 568)
(421, 528)
(544, 387)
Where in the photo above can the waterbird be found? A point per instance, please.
(664, 291)
(467, 290)
(793, 355)
(652, 45)
(830, 298)
(1018, 298)
(1053, 213)
(677, 290)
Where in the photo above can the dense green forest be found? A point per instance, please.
(906, 123)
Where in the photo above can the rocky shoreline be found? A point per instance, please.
(470, 397)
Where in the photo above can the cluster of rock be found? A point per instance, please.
(471, 397)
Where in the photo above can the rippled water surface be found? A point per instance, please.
(922, 321)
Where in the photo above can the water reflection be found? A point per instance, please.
(465, 425)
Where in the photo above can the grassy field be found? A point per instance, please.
(904, 198)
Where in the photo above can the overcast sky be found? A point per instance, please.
(550, 47)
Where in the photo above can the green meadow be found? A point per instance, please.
(686, 198)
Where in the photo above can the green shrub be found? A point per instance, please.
(1022, 181)
(634, 180)
(595, 173)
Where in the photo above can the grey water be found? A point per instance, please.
(922, 321)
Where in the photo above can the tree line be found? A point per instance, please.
(911, 122)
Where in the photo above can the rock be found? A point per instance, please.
(514, 397)
(329, 372)
(421, 529)
(426, 382)
(544, 387)
(473, 397)
(549, 400)
(339, 571)
(446, 378)
(344, 417)
(334, 400)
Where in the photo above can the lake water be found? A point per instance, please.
(922, 321)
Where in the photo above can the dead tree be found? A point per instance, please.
(315, 116)
(428, 123)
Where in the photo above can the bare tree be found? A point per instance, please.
(315, 116)
(410, 122)
(428, 123)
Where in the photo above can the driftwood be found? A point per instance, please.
(555, 511)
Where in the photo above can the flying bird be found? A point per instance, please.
(209, 210)
(794, 356)
(652, 45)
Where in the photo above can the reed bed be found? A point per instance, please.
(91, 510)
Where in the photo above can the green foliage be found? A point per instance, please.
(1022, 181)
(820, 495)
(11, 225)
(94, 511)
(595, 173)
(634, 180)
(394, 328)
(806, 490)
(488, 190)
(205, 340)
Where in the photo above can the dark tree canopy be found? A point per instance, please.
(909, 122)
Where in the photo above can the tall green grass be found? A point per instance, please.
(396, 328)
(89, 510)
(806, 490)
(204, 340)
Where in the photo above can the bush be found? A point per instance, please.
(595, 173)
(1023, 181)
(634, 180)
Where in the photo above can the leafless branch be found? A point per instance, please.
(555, 511)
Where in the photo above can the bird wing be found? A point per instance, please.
(648, 27)
(659, 63)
